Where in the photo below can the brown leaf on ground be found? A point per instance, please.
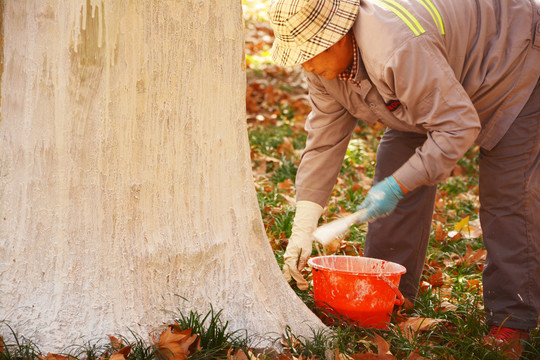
(356, 187)
(383, 351)
(115, 343)
(55, 357)
(475, 229)
(440, 234)
(440, 202)
(413, 325)
(262, 157)
(437, 279)
(415, 356)
(284, 357)
(286, 147)
(174, 343)
(332, 247)
(365, 356)
(459, 171)
(260, 170)
(452, 260)
(117, 356)
(383, 348)
(371, 356)
(473, 256)
(238, 355)
(1, 345)
(352, 248)
(121, 354)
(474, 284)
(424, 286)
(286, 185)
(446, 306)
(440, 217)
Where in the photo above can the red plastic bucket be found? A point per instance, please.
(363, 289)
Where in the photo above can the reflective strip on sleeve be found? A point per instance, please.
(430, 7)
(404, 15)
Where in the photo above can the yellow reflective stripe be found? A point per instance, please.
(434, 14)
(402, 13)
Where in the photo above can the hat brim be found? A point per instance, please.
(287, 54)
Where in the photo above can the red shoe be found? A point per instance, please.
(506, 340)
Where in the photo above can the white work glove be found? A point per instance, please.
(300, 243)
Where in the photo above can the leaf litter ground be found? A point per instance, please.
(448, 319)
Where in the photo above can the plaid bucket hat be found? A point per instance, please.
(305, 28)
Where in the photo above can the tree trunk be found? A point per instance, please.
(125, 179)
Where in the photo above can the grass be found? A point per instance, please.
(19, 348)
(462, 326)
(214, 340)
(456, 300)
(215, 337)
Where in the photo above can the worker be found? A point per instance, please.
(440, 75)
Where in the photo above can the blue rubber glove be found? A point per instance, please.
(382, 199)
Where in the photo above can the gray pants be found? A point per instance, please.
(509, 214)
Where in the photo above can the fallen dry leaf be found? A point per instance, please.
(455, 236)
(415, 356)
(413, 325)
(440, 234)
(332, 246)
(174, 343)
(239, 355)
(467, 229)
(365, 356)
(440, 201)
(115, 342)
(383, 348)
(459, 171)
(286, 184)
(121, 354)
(462, 225)
(383, 351)
(55, 357)
(473, 256)
(475, 229)
(474, 284)
(446, 306)
(437, 279)
(371, 356)
(335, 355)
(286, 147)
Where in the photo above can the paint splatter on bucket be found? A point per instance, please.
(363, 289)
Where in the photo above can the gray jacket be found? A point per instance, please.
(461, 71)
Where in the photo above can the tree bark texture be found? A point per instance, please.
(125, 179)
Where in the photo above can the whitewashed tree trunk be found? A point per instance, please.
(125, 179)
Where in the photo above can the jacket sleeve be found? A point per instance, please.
(418, 74)
(329, 127)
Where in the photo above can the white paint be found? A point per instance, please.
(125, 177)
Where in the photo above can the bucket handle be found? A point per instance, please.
(400, 299)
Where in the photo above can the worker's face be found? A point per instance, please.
(333, 61)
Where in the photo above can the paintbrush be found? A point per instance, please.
(328, 232)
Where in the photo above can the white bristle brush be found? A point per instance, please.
(328, 232)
